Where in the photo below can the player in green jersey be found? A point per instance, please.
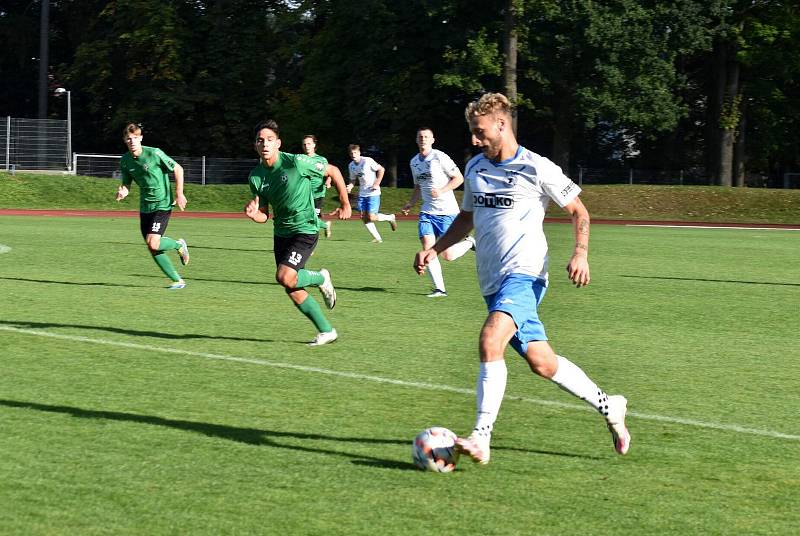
(149, 168)
(319, 187)
(284, 182)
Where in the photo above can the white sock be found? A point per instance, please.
(491, 388)
(435, 271)
(385, 217)
(571, 378)
(373, 230)
(457, 250)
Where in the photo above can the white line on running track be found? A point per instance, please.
(402, 383)
(4, 248)
(714, 227)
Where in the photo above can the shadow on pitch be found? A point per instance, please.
(269, 282)
(249, 436)
(192, 247)
(84, 284)
(704, 280)
(132, 332)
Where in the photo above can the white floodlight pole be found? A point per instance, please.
(60, 91)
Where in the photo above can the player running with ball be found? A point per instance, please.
(506, 191)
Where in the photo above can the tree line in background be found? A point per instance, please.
(706, 86)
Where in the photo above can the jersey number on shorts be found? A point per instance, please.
(156, 227)
(295, 258)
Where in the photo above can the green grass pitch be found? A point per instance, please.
(129, 409)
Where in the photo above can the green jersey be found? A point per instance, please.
(150, 172)
(318, 183)
(286, 187)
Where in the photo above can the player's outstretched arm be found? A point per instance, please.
(252, 211)
(180, 198)
(460, 228)
(344, 211)
(578, 266)
(413, 201)
(122, 192)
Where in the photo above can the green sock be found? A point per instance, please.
(313, 312)
(167, 243)
(165, 264)
(308, 278)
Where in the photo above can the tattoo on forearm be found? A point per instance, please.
(584, 247)
(583, 227)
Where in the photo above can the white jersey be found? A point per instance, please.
(508, 202)
(435, 171)
(365, 173)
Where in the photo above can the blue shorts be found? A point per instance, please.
(519, 296)
(434, 224)
(369, 204)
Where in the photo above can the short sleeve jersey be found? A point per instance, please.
(508, 201)
(150, 172)
(318, 182)
(434, 171)
(365, 173)
(286, 187)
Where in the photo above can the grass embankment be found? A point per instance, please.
(622, 202)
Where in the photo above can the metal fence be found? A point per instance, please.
(197, 169)
(34, 144)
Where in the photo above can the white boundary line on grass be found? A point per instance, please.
(712, 227)
(402, 383)
(4, 248)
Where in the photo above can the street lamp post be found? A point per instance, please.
(61, 91)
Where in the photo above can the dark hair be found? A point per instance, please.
(353, 146)
(424, 128)
(313, 137)
(131, 128)
(269, 124)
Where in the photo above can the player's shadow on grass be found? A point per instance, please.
(268, 282)
(83, 284)
(705, 280)
(192, 247)
(249, 436)
(132, 332)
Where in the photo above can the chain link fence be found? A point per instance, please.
(34, 144)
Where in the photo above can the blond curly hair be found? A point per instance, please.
(489, 103)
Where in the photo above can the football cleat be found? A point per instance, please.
(436, 293)
(324, 337)
(177, 285)
(327, 290)
(393, 223)
(476, 446)
(183, 251)
(617, 408)
(471, 240)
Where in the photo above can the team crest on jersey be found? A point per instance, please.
(284, 178)
(490, 200)
(318, 165)
(511, 177)
(145, 167)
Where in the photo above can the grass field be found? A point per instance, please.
(129, 409)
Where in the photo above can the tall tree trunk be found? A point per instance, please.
(739, 156)
(562, 135)
(729, 114)
(391, 169)
(510, 63)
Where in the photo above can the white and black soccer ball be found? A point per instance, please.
(434, 449)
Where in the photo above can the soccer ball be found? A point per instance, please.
(434, 449)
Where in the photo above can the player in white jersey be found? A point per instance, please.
(368, 173)
(507, 189)
(435, 177)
